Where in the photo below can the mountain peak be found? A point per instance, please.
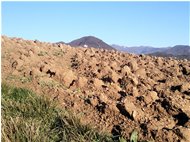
(90, 41)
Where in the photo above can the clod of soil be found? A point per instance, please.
(116, 92)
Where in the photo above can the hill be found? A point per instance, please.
(138, 49)
(178, 51)
(114, 91)
(90, 41)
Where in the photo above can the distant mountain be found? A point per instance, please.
(61, 42)
(139, 49)
(179, 51)
(90, 41)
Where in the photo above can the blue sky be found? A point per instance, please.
(157, 24)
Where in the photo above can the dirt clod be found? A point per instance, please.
(116, 92)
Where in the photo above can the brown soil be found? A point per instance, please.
(116, 92)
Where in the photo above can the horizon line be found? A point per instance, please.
(124, 46)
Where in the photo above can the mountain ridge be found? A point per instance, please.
(90, 41)
(178, 51)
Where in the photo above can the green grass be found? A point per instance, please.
(42, 53)
(27, 117)
(134, 136)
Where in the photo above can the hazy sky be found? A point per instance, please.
(158, 24)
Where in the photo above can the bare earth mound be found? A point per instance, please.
(116, 92)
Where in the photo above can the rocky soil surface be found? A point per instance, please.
(116, 92)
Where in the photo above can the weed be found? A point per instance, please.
(77, 90)
(11, 77)
(28, 117)
(19, 78)
(134, 136)
(50, 84)
(26, 79)
(121, 139)
(58, 53)
(42, 53)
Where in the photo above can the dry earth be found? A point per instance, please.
(116, 92)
